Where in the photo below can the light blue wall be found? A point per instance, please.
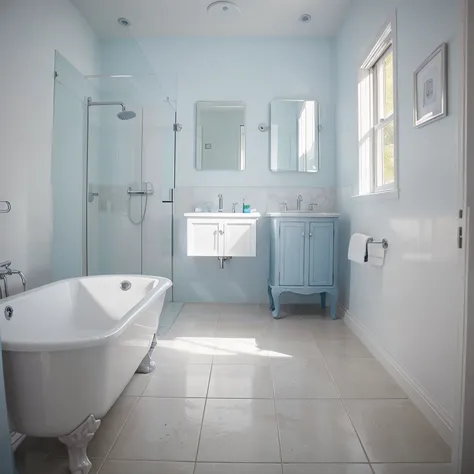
(400, 305)
(254, 71)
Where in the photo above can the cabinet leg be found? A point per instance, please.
(276, 304)
(323, 300)
(270, 297)
(333, 305)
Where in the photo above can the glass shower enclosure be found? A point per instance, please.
(129, 175)
(113, 166)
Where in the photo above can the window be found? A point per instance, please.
(377, 124)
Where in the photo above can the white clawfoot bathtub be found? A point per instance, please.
(69, 350)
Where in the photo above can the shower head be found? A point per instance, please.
(126, 114)
(123, 115)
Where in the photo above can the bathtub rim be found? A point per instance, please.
(81, 343)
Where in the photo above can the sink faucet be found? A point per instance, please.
(221, 203)
(298, 202)
(5, 271)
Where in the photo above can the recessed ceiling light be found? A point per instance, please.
(224, 7)
(123, 22)
(305, 18)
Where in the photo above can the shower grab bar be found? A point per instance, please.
(7, 208)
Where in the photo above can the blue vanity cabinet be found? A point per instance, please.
(292, 252)
(303, 259)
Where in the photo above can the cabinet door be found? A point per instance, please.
(203, 238)
(321, 254)
(292, 261)
(240, 238)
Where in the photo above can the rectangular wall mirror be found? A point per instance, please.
(294, 135)
(220, 136)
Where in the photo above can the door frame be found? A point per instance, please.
(463, 431)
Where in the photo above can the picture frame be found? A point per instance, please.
(430, 88)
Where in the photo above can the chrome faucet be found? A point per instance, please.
(5, 271)
(298, 202)
(221, 203)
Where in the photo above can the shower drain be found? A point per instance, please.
(125, 285)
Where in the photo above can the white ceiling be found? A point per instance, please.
(190, 18)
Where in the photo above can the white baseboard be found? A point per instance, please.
(435, 414)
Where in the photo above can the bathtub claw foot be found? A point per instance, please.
(77, 443)
(146, 365)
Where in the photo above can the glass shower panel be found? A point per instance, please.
(68, 170)
(114, 164)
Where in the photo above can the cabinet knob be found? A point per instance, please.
(221, 232)
(310, 234)
(302, 234)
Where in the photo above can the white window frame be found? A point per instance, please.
(370, 160)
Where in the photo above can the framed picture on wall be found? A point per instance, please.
(430, 81)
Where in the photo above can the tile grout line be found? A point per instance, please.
(276, 417)
(204, 410)
(118, 434)
(341, 399)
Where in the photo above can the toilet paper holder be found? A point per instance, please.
(383, 243)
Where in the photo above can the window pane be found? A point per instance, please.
(388, 154)
(388, 84)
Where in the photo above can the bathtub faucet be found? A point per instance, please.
(6, 271)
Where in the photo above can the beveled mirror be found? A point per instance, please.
(294, 135)
(220, 136)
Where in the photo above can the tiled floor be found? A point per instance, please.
(236, 392)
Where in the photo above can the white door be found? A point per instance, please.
(240, 238)
(203, 238)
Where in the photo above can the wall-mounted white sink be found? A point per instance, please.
(223, 215)
(301, 214)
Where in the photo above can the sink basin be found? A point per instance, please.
(302, 214)
(223, 215)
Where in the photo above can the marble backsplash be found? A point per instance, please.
(264, 199)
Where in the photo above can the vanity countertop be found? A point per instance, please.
(302, 214)
(224, 215)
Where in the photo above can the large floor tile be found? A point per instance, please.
(137, 385)
(147, 467)
(161, 429)
(326, 469)
(244, 312)
(281, 348)
(195, 328)
(362, 378)
(179, 380)
(240, 381)
(241, 329)
(330, 330)
(185, 349)
(317, 431)
(240, 350)
(110, 426)
(209, 310)
(412, 468)
(228, 468)
(395, 431)
(343, 347)
(302, 379)
(239, 431)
